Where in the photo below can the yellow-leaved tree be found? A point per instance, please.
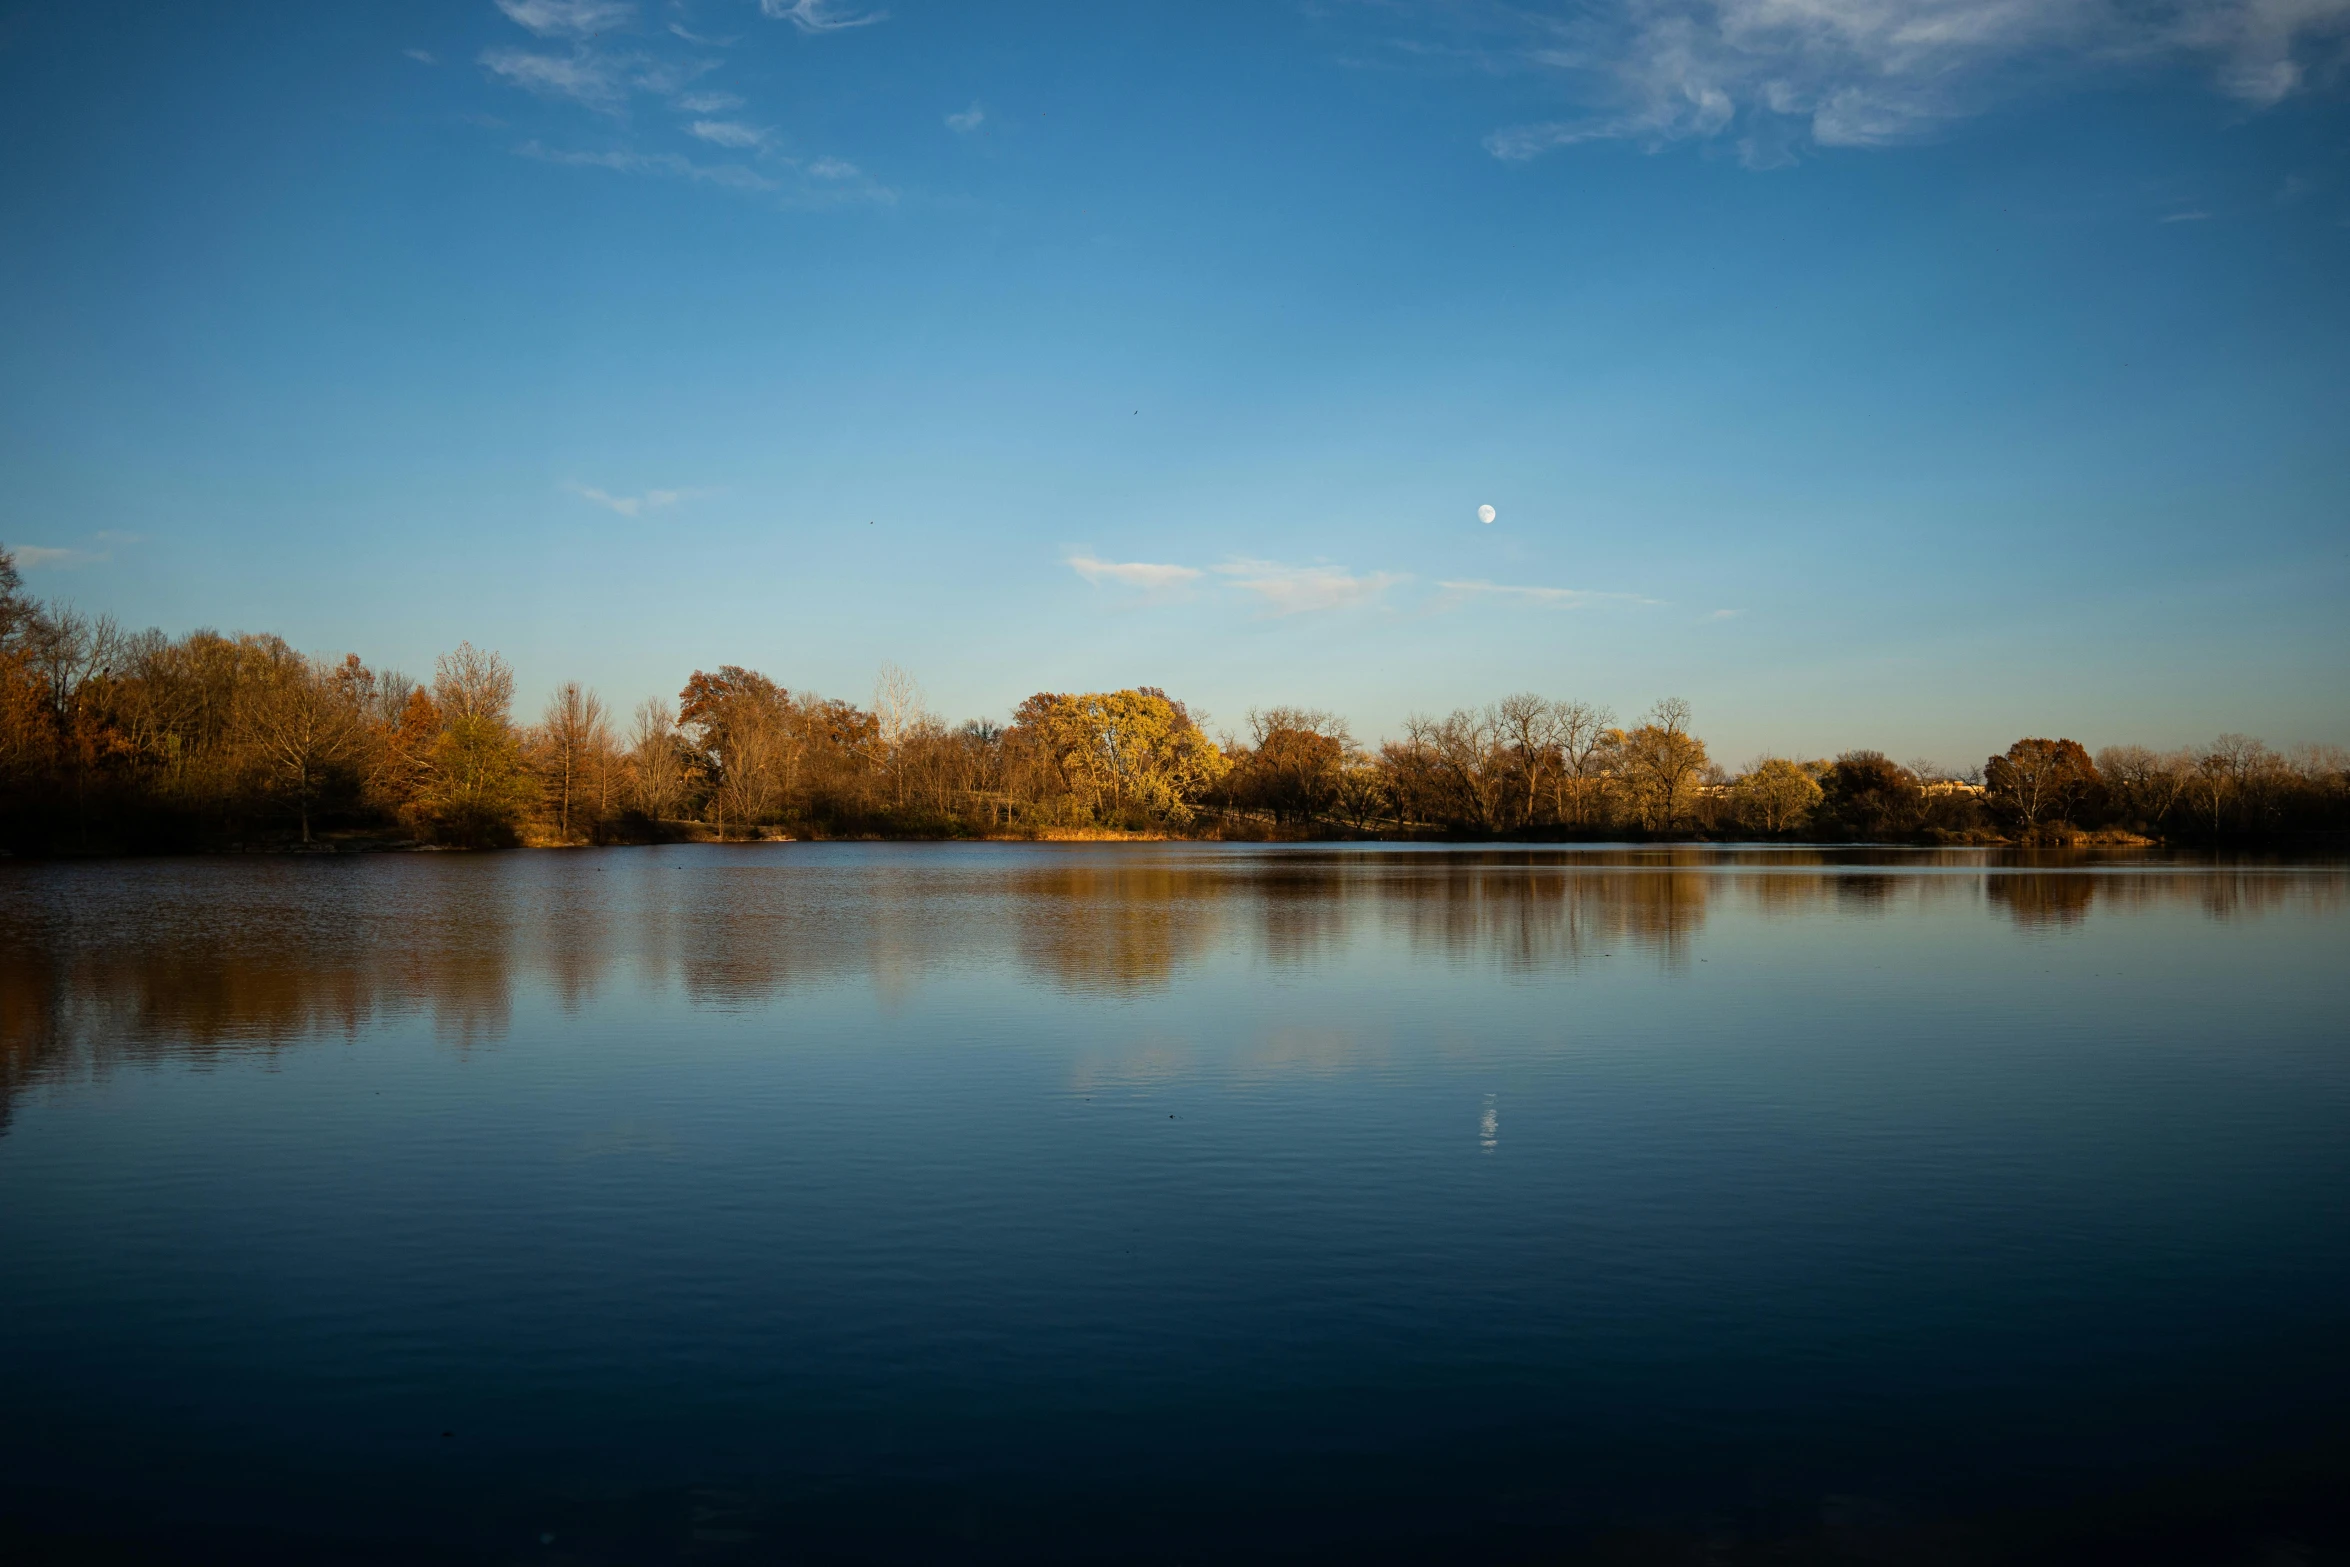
(470, 785)
(1123, 754)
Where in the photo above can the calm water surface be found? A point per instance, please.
(806, 1202)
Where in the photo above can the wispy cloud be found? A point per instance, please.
(1777, 75)
(1463, 592)
(2263, 48)
(635, 505)
(1284, 589)
(34, 557)
(1725, 614)
(729, 133)
(817, 16)
(2188, 217)
(606, 80)
(1295, 590)
(568, 18)
(819, 182)
(969, 120)
(583, 76)
(53, 557)
(421, 56)
(1148, 575)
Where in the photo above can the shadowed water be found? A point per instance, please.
(1172, 1202)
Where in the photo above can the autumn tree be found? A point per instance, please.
(1869, 795)
(471, 786)
(1774, 795)
(2037, 782)
(1295, 763)
(1663, 765)
(1123, 751)
(738, 720)
(1364, 794)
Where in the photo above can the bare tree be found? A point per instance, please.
(301, 721)
(656, 770)
(574, 737)
(472, 685)
(1463, 752)
(2146, 785)
(897, 703)
(898, 715)
(390, 698)
(1586, 736)
(1294, 762)
(68, 651)
(750, 787)
(1528, 728)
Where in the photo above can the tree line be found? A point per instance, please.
(114, 740)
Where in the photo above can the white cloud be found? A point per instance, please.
(634, 505)
(599, 80)
(420, 56)
(835, 169)
(1293, 590)
(729, 133)
(1133, 573)
(709, 102)
(969, 120)
(817, 16)
(1861, 73)
(567, 18)
(583, 77)
(45, 557)
(664, 77)
(1459, 593)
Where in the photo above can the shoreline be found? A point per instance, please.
(363, 845)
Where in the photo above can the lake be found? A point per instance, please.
(1175, 1202)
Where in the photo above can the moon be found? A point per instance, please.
(1484, 514)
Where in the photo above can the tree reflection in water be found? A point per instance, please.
(131, 961)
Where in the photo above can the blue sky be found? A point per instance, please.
(1906, 373)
